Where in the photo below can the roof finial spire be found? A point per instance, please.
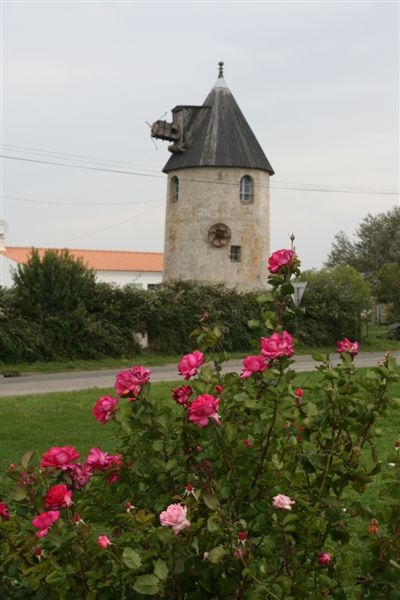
(221, 70)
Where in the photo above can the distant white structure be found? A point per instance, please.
(139, 269)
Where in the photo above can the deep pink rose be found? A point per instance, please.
(347, 346)
(103, 541)
(104, 408)
(324, 558)
(98, 460)
(175, 517)
(59, 458)
(44, 521)
(190, 363)
(283, 502)
(182, 394)
(277, 345)
(80, 474)
(253, 364)
(203, 408)
(4, 514)
(130, 382)
(58, 496)
(281, 259)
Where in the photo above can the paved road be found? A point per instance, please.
(40, 383)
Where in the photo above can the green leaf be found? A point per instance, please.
(27, 457)
(161, 569)
(147, 585)
(213, 524)
(55, 577)
(131, 558)
(158, 445)
(216, 554)
(210, 500)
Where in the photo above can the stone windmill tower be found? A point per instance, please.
(217, 217)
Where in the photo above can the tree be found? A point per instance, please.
(376, 244)
(388, 287)
(333, 300)
(53, 292)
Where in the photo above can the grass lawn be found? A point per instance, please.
(39, 421)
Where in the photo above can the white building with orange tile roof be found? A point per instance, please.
(119, 267)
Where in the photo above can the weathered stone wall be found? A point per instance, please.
(209, 195)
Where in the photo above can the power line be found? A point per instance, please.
(62, 203)
(282, 186)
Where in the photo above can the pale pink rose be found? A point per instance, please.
(103, 541)
(182, 394)
(203, 408)
(190, 363)
(324, 558)
(281, 259)
(44, 521)
(175, 517)
(253, 364)
(347, 346)
(59, 457)
(283, 502)
(104, 408)
(129, 383)
(277, 345)
(58, 496)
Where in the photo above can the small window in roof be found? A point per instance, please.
(246, 189)
(174, 189)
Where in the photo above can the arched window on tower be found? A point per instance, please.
(174, 189)
(246, 189)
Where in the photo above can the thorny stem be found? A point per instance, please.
(265, 446)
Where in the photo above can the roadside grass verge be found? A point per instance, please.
(373, 339)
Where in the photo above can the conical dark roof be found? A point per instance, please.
(218, 135)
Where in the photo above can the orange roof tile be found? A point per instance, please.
(99, 260)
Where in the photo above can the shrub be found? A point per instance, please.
(236, 487)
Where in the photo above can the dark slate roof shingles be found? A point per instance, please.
(219, 136)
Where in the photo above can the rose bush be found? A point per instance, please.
(242, 486)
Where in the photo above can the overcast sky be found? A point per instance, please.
(318, 83)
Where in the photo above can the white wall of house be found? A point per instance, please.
(6, 268)
(141, 280)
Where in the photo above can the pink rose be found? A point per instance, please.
(175, 517)
(281, 259)
(59, 458)
(190, 363)
(58, 496)
(80, 474)
(103, 541)
(282, 502)
(203, 408)
(98, 460)
(324, 558)
(253, 364)
(277, 345)
(130, 382)
(4, 514)
(182, 394)
(104, 408)
(347, 346)
(44, 521)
